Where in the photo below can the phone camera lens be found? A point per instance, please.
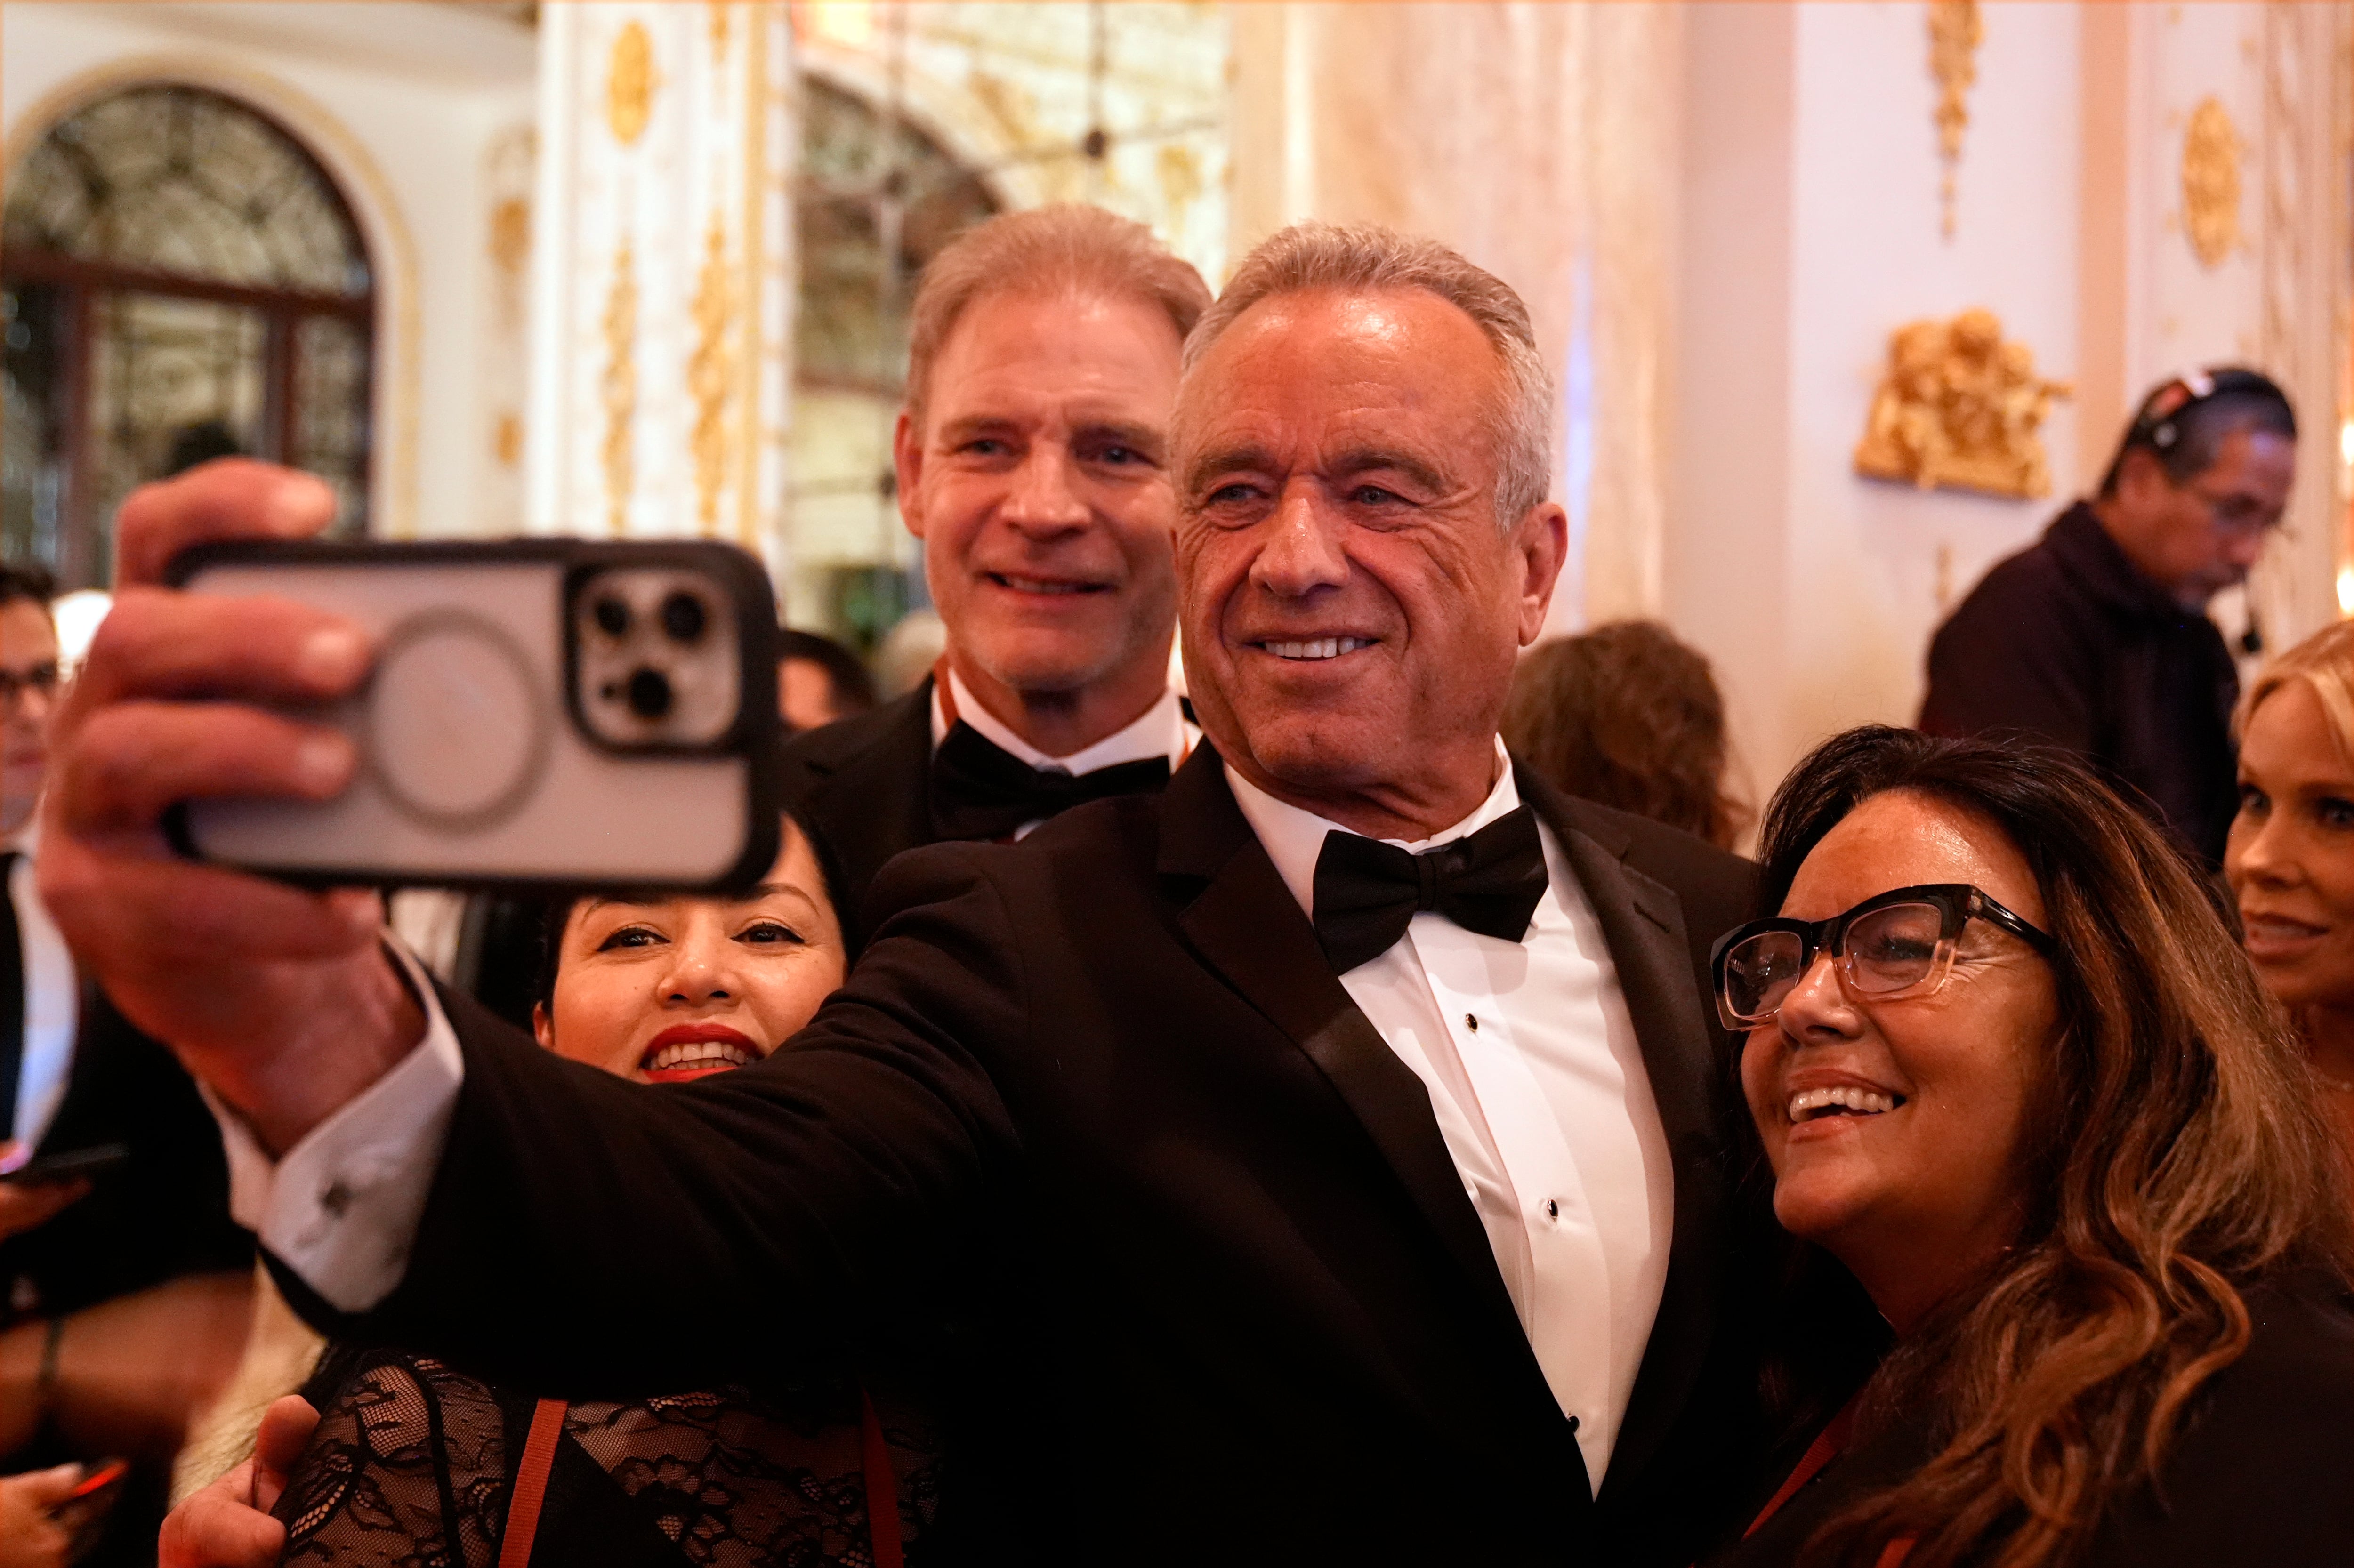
(682, 617)
(612, 616)
(650, 693)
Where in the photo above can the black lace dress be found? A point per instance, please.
(414, 1465)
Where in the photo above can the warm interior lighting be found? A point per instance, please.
(2346, 590)
(2346, 443)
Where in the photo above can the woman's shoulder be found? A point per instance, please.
(2257, 1468)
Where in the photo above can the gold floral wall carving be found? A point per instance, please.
(2212, 148)
(709, 378)
(1961, 409)
(621, 389)
(629, 83)
(1954, 30)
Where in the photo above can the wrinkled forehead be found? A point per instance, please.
(1323, 359)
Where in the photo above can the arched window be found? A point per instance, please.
(875, 203)
(182, 281)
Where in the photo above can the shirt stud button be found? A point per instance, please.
(1552, 1208)
(1471, 1022)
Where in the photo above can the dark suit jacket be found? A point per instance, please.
(1214, 1290)
(163, 1214)
(863, 788)
(2257, 1472)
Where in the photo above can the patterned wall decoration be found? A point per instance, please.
(661, 301)
(2210, 181)
(501, 356)
(1956, 29)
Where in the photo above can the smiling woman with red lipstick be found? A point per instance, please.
(2291, 855)
(670, 992)
(2012, 1077)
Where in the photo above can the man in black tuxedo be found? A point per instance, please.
(1031, 461)
(1324, 1160)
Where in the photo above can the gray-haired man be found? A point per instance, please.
(1328, 1150)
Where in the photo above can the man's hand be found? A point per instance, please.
(24, 1207)
(279, 997)
(227, 1524)
(29, 1538)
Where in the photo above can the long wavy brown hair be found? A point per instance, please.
(1627, 716)
(2176, 1158)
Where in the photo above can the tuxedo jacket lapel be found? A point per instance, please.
(1248, 929)
(864, 788)
(1643, 925)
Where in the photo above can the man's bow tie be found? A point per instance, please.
(981, 790)
(1367, 891)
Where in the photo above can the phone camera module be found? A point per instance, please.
(682, 617)
(649, 695)
(655, 658)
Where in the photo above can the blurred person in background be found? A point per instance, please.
(1041, 372)
(668, 992)
(2097, 637)
(819, 682)
(2291, 855)
(1627, 716)
(122, 1295)
(2011, 1073)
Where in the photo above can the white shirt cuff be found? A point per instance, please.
(341, 1208)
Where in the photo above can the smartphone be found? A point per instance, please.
(95, 1161)
(82, 1513)
(544, 714)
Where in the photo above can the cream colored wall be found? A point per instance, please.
(401, 102)
(1810, 229)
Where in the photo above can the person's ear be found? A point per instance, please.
(1540, 546)
(2142, 475)
(543, 1026)
(907, 470)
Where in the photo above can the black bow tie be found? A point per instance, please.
(981, 790)
(1367, 891)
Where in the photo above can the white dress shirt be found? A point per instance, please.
(52, 1004)
(1539, 1088)
(340, 1209)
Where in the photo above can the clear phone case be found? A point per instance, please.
(543, 714)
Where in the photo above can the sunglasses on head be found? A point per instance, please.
(1893, 944)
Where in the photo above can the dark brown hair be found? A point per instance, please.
(1627, 716)
(2177, 1157)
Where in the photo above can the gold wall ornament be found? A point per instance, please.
(1960, 409)
(511, 235)
(621, 389)
(2211, 149)
(1954, 30)
(708, 376)
(629, 83)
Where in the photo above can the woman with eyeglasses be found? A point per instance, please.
(2290, 857)
(2014, 1080)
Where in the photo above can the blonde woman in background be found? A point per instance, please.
(2291, 855)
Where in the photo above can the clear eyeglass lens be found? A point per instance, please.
(1760, 972)
(1892, 949)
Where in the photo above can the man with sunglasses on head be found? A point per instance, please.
(2097, 637)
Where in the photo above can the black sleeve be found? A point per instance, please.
(585, 1231)
(2014, 658)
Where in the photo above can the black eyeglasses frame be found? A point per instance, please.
(1957, 902)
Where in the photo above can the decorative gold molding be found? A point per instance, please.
(621, 389)
(2212, 148)
(511, 235)
(707, 376)
(629, 83)
(1954, 30)
(1960, 409)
